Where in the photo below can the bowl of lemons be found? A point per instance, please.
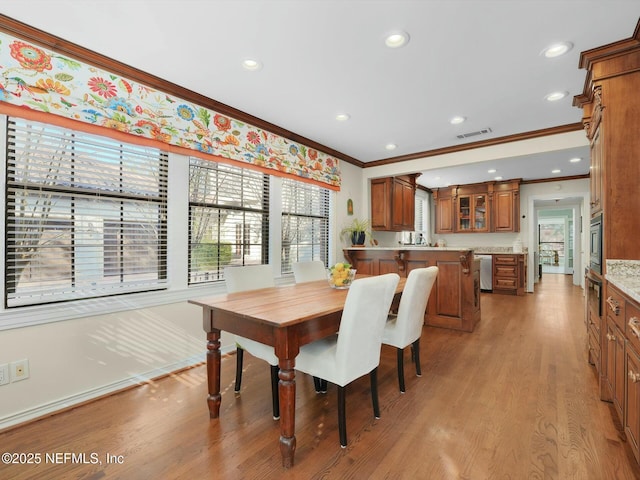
(341, 275)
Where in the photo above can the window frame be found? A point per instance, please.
(93, 187)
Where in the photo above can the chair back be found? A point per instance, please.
(360, 336)
(248, 277)
(413, 304)
(309, 271)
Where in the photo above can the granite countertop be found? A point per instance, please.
(478, 250)
(625, 276)
(412, 247)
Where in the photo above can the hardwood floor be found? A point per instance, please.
(515, 399)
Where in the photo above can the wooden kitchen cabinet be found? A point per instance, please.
(506, 207)
(393, 203)
(509, 274)
(455, 297)
(478, 208)
(610, 104)
(443, 200)
(632, 377)
(472, 212)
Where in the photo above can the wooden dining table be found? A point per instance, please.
(285, 317)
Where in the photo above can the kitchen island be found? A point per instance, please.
(455, 299)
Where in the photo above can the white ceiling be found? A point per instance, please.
(475, 58)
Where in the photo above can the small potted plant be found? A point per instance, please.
(357, 232)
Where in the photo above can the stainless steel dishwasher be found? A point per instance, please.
(486, 272)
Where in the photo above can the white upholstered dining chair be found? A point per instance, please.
(242, 279)
(405, 328)
(355, 350)
(309, 271)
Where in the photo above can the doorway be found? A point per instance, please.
(556, 241)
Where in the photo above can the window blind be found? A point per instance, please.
(228, 219)
(86, 215)
(305, 223)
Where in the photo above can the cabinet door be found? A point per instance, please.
(408, 206)
(480, 213)
(503, 216)
(403, 205)
(615, 369)
(632, 399)
(381, 204)
(464, 213)
(444, 214)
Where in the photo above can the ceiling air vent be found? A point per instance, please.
(483, 131)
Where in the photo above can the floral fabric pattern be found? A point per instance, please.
(45, 81)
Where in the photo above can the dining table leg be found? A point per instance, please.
(213, 372)
(287, 393)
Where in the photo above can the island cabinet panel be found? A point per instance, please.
(447, 294)
(455, 298)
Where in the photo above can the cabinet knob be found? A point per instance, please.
(634, 377)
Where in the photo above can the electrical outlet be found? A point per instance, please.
(19, 370)
(4, 374)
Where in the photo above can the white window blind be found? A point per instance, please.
(228, 219)
(305, 223)
(86, 215)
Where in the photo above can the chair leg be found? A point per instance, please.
(342, 421)
(416, 356)
(320, 385)
(275, 398)
(239, 356)
(400, 354)
(373, 376)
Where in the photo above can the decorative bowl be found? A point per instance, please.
(340, 276)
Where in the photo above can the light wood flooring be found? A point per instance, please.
(516, 399)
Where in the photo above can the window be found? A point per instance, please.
(305, 223)
(86, 215)
(228, 219)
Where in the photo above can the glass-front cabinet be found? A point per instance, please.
(473, 213)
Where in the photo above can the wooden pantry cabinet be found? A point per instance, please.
(478, 208)
(393, 203)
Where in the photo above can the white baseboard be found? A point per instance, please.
(64, 403)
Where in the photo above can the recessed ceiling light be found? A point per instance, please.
(498, 178)
(492, 170)
(457, 120)
(557, 170)
(575, 160)
(390, 146)
(343, 117)
(251, 64)
(555, 96)
(396, 39)
(557, 49)
(437, 178)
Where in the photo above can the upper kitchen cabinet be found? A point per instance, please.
(472, 210)
(610, 104)
(478, 208)
(443, 200)
(393, 203)
(506, 207)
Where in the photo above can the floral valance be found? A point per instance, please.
(44, 81)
